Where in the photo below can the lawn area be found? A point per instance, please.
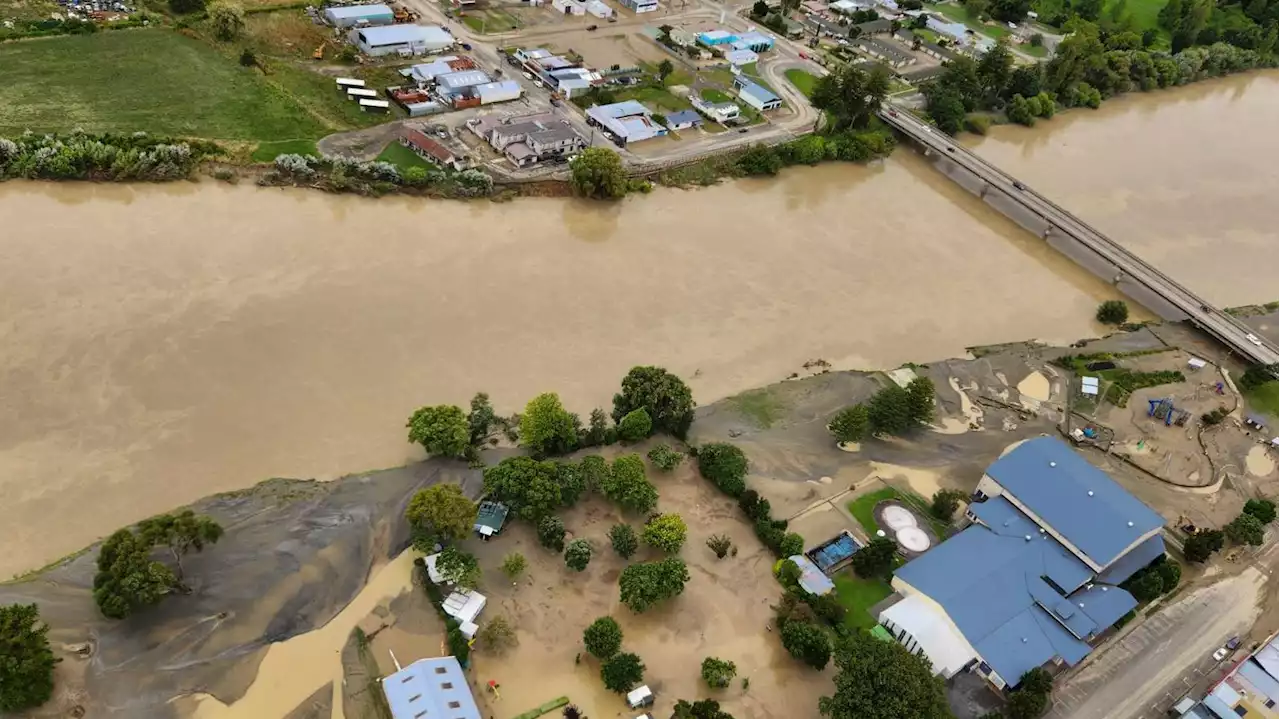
(490, 21)
(658, 99)
(267, 151)
(1146, 13)
(957, 13)
(804, 81)
(858, 595)
(710, 94)
(402, 156)
(760, 406)
(1265, 398)
(1034, 51)
(150, 80)
(863, 510)
(926, 34)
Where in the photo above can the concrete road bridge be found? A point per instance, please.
(1085, 244)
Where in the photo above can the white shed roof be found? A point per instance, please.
(945, 647)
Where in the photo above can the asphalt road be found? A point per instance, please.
(1140, 675)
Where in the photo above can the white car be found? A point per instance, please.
(538, 84)
(1220, 654)
(1254, 339)
(527, 76)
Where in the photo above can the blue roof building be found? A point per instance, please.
(755, 95)
(711, 38)
(755, 41)
(1015, 590)
(430, 689)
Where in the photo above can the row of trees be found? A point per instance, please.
(1090, 65)
(102, 156)
(1247, 528)
(892, 410)
(725, 466)
(340, 174)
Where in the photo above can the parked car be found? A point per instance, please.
(1254, 339)
(538, 84)
(527, 76)
(466, 46)
(1233, 643)
(592, 28)
(1019, 186)
(1220, 654)
(742, 129)
(613, 18)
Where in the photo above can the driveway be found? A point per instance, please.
(1142, 673)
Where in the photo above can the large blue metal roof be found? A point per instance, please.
(1137, 558)
(1076, 499)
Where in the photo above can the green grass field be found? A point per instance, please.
(858, 595)
(711, 94)
(267, 151)
(760, 406)
(144, 80)
(956, 13)
(656, 98)
(803, 81)
(1265, 398)
(402, 156)
(863, 509)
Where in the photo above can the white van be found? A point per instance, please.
(641, 697)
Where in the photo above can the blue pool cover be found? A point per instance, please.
(834, 551)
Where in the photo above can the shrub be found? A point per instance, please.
(791, 545)
(641, 586)
(720, 544)
(828, 608)
(624, 541)
(26, 661)
(725, 465)
(945, 503)
(665, 532)
(1200, 545)
(627, 486)
(717, 673)
(603, 638)
(497, 635)
(876, 559)
(551, 533)
(577, 555)
(664, 457)
(753, 506)
(635, 426)
(227, 20)
(1113, 312)
(1145, 585)
(788, 573)
(621, 672)
(1170, 575)
(770, 535)
(807, 642)
(514, 565)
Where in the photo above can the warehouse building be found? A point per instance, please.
(402, 39)
(353, 15)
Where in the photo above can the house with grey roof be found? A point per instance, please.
(430, 688)
(1035, 578)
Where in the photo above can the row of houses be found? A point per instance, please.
(563, 75)
(528, 139)
(1250, 689)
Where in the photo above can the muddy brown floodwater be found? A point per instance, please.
(162, 342)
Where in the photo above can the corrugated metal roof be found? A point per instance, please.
(626, 108)
(466, 78)
(762, 95)
(812, 580)
(399, 34)
(682, 116)
(1268, 657)
(1135, 559)
(430, 688)
(359, 11)
(1076, 499)
(1258, 677)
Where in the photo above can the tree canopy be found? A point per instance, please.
(621, 672)
(627, 486)
(577, 555)
(850, 424)
(440, 429)
(882, 680)
(227, 20)
(128, 579)
(890, 410)
(438, 514)
(1246, 529)
(603, 638)
(717, 672)
(635, 426)
(459, 567)
(1263, 509)
(945, 503)
(850, 95)
(725, 465)
(181, 532)
(547, 428)
(875, 559)
(701, 709)
(26, 661)
(551, 532)
(665, 458)
(807, 642)
(530, 487)
(480, 419)
(664, 396)
(623, 539)
(1113, 312)
(1202, 544)
(597, 173)
(643, 585)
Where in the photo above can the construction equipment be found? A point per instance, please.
(319, 53)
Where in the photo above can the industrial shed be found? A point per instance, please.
(353, 15)
(412, 39)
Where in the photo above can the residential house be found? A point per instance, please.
(883, 51)
(848, 7)
(876, 27)
(528, 139)
(404, 39)
(598, 9)
(430, 150)
(625, 122)
(1251, 689)
(363, 15)
(432, 687)
(683, 120)
(1035, 579)
(755, 95)
(928, 48)
(682, 37)
(721, 112)
(640, 6)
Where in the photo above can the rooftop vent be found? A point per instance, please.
(1028, 537)
(1082, 605)
(1053, 464)
(1091, 493)
(1042, 530)
(1024, 640)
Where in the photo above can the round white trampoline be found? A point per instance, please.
(913, 539)
(897, 518)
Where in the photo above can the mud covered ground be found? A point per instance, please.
(302, 559)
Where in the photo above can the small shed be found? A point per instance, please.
(741, 57)
(1195, 363)
(490, 518)
(683, 119)
(812, 579)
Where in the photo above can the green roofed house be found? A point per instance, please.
(489, 519)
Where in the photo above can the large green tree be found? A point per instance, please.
(850, 424)
(664, 396)
(701, 709)
(627, 486)
(441, 429)
(643, 585)
(181, 532)
(26, 661)
(128, 579)
(551, 532)
(440, 513)
(459, 567)
(890, 410)
(620, 672)
(807, 642)
(994, 69)
(1202, 544)
(635, 426)
(1263, 509)
(882, 680)
(480, 419)
(850, 95)
(547, 428)
(597, 173)
(920, 399)
(623, 539)
(1246, 529)
(876, 559)
(577, 555)
(530, 487)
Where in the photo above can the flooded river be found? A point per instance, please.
(167, 341)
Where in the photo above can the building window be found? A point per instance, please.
(414, 698)
(447, 685)
(455, 705)
(441, 670)
(1242, 710)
